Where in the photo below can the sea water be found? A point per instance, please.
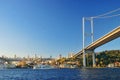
(61, 74)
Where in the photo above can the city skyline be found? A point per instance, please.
(52, 27)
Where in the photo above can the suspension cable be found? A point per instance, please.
(109, 16)
(107, 13)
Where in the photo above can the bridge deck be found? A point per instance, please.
(106, 38)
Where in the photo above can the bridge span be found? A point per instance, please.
(115, 33)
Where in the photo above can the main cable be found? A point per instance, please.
(107, 13)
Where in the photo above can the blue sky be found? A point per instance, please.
(52, 27)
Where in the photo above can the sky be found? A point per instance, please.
(52, 27)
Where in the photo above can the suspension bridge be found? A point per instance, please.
(115, 33)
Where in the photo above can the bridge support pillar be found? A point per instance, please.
(84, 59)
(93, 55)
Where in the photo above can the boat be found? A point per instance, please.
(43, 66)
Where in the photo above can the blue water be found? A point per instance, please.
(61, 74)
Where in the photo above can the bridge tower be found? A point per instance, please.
(84, 57)
(92, 39)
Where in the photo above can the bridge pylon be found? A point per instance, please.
(92, 38)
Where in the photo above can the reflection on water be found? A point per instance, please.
(61, 74)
